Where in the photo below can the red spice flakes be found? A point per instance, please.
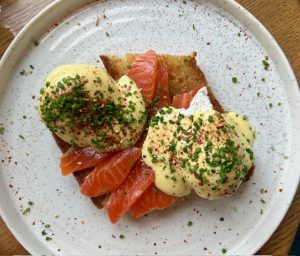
(33, 97)
(97, 21)
(113, 236)
(205, 249)
(280, 190)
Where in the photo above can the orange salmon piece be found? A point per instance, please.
(162, 89)
(76, 159)
(183, 100)
(144, 73)
(162, 93)
(151, 200)
(106, 178)
(139, 179)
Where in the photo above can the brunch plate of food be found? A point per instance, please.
(146, 127)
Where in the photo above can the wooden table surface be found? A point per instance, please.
(281, 18)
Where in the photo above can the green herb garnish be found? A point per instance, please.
(266, 64)
(190, 223)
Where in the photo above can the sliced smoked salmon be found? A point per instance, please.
(162, 93)
(138, 180)
(76, 159)
(144, 73)
(106, 178)
(162, 89)
(183, 100)
(151, 200)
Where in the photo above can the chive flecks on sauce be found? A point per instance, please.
(69, 104)
(173, 178)
(121, 236)
(203, 151)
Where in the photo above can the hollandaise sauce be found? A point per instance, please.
(84, 106)
(208, 152)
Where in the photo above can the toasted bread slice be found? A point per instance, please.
(184, 75)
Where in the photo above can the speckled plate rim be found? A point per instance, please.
(61, 8)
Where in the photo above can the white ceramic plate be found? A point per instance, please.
(230, 42)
